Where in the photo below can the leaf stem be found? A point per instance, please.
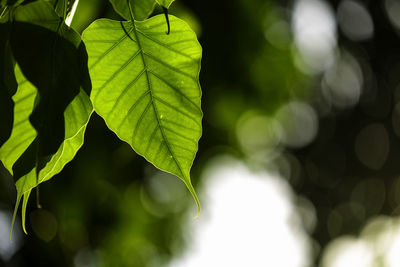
(130, 11)
(65, 9)
(167, 18)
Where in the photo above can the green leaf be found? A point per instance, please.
(76, 117)
(146, 87)
(50, 56)
(165, 3)
(24, 205)
(141, 8)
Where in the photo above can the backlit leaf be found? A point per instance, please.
(76, 117)
(146, 87)
(50, 57)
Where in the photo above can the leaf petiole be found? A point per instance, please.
(130, 11)
(167, 18)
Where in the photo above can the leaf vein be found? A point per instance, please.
(132, 108)
(179, 125)
(176, 89)
(108, 51)
(153, 102)
(19, 144)
(169, 66)
(179, 134)
(112, 77)
(176, 109)
(141, 118)
(151, 139)
(125, 90)
(166, 46)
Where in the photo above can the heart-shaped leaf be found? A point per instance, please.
(146, 87)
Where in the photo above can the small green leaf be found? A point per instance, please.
(165, 3)
(146, 87)
(24, 205)
(141, 9)
(76, 117)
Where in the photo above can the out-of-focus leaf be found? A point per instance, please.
(50, 57)
(146, 87)
(76, 117)
(140, 9)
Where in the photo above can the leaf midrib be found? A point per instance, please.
(142, 54)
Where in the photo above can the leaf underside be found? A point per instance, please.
(146, 88)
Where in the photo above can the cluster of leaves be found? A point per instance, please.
(140, 75)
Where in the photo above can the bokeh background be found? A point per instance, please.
(299, 163)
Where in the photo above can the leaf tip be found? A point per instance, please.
(194, 195)
(165, 10)
(24, 205)
(14, 215)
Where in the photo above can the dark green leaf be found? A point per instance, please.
(76, 117)
(50, 57)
